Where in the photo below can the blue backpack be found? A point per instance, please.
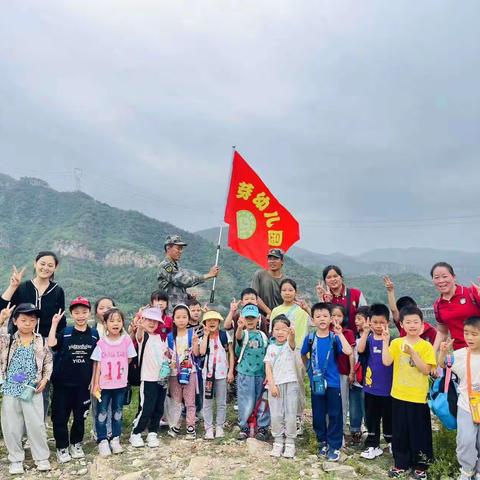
(443, 396)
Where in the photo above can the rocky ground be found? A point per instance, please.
(219, 459)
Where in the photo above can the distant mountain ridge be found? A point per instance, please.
(391, 261)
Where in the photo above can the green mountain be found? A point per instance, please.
(108, 251)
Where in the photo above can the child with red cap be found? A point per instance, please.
(71, 378)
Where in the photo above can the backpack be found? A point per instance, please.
(245, 342)
(311, 340)
(223, 340)
(135, 366)
(443, 396)
(171, 340)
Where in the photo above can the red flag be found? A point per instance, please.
(258, 221)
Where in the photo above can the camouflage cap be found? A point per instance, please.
(276, 252)
(174, 240)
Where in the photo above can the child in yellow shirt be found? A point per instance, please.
(413, 359)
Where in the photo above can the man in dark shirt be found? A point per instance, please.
(267, 282)
(71, 377)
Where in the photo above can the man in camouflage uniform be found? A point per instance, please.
(175, 280)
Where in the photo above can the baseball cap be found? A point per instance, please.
(174, 240)
(152, 313)
(250, 310)
(25, 308)
(276, 252)
(80, 301)
(212, 315)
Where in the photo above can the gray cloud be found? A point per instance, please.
(350, 111)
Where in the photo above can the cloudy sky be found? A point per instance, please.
(363, 117)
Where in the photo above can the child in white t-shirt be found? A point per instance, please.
(468, 431)
(152, 353)
(283, 388)
(218, 367)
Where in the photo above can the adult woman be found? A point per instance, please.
(336, 292)
(42, 291)
(455, 304)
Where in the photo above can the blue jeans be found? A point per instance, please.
(329, 405)
(356, 408)
(249, 391)
(116, 397)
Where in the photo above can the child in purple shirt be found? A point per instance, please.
(377, 383)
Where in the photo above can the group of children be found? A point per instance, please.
(184, 364)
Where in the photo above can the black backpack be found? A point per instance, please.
(135, 366)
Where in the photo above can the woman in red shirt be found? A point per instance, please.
(336, 292)
(455, 304)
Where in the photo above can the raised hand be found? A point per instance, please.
(16, 278)
(337, 328)
(57, 317)
(367, 326)
(321, 290)
(6, 313)
(233, 306)
(386, 334)
(291, 332)
(388, 283)
(205, 308)
(241, 323)
(477, 286)
(445, 347)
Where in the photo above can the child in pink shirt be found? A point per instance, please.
(112, 356)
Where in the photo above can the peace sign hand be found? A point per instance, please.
(291, 332)
(386, 334)
(57, 317)
(6, 313)
(16, 278)
(337, 328)
(388, 283)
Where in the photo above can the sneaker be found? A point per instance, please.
(276, 450)
(323, 450)
(244, 434)
(152, 440)
(76, 451)
(289, 451)
(356, 438)
(395, 472)
(63, 456)
(219, 433)
(16, 468)
(104, 449)
(115, 445)
(209, 434)
(299, 426)
(163, 423)
(173, 431)
(333, 455)
(419, 474)
(43, 466)
(235, 407)
(262, 434)
(136, 440)
(371, 452)
(191, 433)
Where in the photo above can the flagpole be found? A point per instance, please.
(219, 244)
